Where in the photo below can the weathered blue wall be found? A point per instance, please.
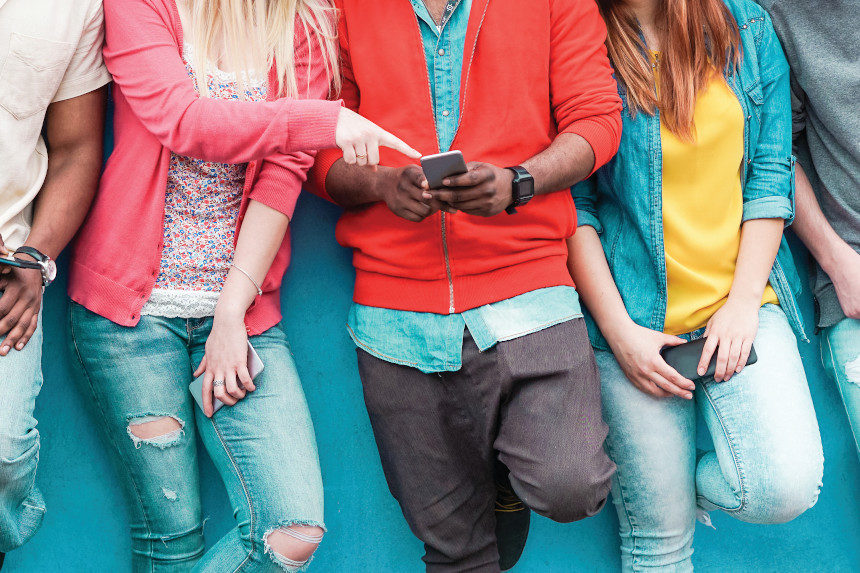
(86, 525)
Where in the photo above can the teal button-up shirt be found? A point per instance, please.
(434, 342)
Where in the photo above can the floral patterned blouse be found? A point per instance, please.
(200, 212)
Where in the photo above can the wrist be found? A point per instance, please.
(746, 297)
(615, 329)
(384, 182)
(228, 312)
(832, 256)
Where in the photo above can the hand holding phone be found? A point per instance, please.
(685, 359)
(441, 165)
(255, 367)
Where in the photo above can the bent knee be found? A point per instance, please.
(292, 546)
(15, 449)
(783, 500)
(567, 497)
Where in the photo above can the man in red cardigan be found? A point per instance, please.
(478, 375)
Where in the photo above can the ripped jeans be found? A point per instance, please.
(840, 352)
(264, 447)
(21, 505)
(766, 465)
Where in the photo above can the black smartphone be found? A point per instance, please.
(19, 263)
(441, 165)
(685, 358)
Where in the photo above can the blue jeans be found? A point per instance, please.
(21, 505)
(840, 352)
(766, 467)
(264, 447)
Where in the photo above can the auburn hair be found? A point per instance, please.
(697, 38)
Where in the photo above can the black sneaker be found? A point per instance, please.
(2, 559)
(512, 522)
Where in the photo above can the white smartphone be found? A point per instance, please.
(255, 366)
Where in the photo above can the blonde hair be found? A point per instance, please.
(258, 34)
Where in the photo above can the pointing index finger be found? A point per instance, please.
(397, 144)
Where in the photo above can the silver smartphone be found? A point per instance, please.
(441, 165)
(255, 366)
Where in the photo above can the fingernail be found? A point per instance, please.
(688, 396)
(701, 371)
(19, 346)
(446, 182)
(5, 350)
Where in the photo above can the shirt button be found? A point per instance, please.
(446, 113)
(441, 52)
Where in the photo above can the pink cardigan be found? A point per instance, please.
(117, 254)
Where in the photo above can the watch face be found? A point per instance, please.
(50, 270)
(528, 188)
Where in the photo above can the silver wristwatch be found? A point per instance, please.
(46, 264)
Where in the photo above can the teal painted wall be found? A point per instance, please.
(86, 525)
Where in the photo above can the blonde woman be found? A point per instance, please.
(220, 105)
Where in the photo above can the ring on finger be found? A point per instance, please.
(361, 156)
(217, 383)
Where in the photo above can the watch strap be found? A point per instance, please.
(46, 264)
(33, 252)
(520, 174)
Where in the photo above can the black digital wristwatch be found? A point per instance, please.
(522, 188)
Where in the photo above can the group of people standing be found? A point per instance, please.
(635, 156)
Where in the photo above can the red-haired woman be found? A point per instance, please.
(680, 238)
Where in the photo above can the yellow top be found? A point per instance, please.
(703, 209)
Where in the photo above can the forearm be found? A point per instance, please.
(260, 237)
(813, 228)
(567, 161)
(594, 282)
(66, 196)
(352, 186)
(760, 240)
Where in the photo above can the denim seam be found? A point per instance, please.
(735, 459)
(251, 513)
(627, 513)
(110, 434)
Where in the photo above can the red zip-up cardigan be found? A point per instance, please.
(531, 70)
(117, 254)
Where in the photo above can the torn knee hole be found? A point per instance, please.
(156, 430)
(292, 546)
(852, 371)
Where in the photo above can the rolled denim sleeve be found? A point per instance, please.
(769, 189)
(584, 197)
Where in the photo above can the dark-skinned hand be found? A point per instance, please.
(484, 190)
(20, 301)
(403, 190)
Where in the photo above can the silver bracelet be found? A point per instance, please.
(250, 278)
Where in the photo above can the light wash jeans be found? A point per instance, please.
(21, 505)
(264, 447)
(840, 352)
(768, 463)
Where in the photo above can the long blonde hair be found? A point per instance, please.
(258, 34)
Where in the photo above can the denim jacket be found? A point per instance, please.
(623, 200)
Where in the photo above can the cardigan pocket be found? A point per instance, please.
(32, 74)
